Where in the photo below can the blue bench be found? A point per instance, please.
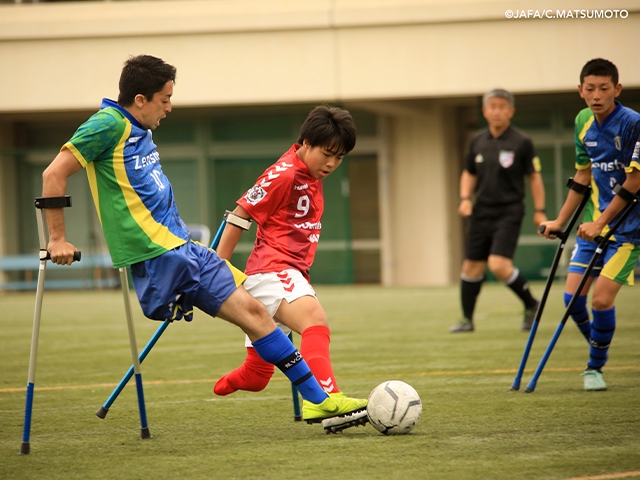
(98, 264)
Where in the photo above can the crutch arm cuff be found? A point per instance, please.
(238, 221)
(53, 202)
(625, 194)
(578, 187)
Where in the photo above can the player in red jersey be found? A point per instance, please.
(287, 204)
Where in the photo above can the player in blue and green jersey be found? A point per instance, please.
(608, 139)
(143, 230)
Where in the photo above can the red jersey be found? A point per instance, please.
(287, 204)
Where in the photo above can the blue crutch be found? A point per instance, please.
(563, 236)
(602, 243)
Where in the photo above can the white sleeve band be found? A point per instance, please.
(233, 219)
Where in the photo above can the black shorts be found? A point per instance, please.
(493, 231)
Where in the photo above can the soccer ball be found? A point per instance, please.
(394, 408)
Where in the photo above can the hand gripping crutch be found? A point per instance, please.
(563, 236)
(40, 203)
(602, 243)
(104, 409)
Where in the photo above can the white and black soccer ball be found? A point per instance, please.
(394, 408)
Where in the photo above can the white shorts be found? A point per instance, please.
(271, 288)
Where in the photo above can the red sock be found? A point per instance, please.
(314, 348)
(253, 375)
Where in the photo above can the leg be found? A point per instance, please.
(270, 343)
(305, 315)
(579, 313)
(503, 269)
(471, 280)
(604, 321)
(477, 248)
(602, 329)
(503, 248)
(581, 255)
(619, 263)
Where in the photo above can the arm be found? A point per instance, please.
(467, 186)
(231, 235)
(54, 184)
(537, 194)
(583, 177)
(590, 230)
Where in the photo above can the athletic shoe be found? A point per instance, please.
(464, 326)
(593, 381)
(338, 424)
(335, 405)
(529, 315)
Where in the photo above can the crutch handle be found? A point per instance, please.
(76, 256)
(542, 228)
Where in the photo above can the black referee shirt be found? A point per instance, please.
(500, 165)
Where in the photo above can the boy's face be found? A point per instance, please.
(498, 112)
(599, 93)
(321, 161)
(151, 112)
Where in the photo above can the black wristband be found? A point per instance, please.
(462, 199)
(541, 210)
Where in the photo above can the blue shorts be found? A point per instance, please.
(617, 262)
(169, 286)
(581, 255)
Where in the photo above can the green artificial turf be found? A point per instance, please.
(472, 426)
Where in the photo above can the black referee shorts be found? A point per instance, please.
(493, 230)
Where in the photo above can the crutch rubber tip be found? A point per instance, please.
(145, 433)
(102, 412)
(297, 418)
(25, 448)
(528, 390)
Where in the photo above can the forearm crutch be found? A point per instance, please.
(124, 282)
(563, 236)
(297, 415)
(104, 409)
(41, 203)
(602, 243)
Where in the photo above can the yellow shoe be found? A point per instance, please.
(336, 404)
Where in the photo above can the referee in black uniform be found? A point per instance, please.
(497, 163)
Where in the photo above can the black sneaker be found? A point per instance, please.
(529, 315)
(464, 326)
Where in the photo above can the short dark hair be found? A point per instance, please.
(600, 68)
(329, 127)
(145, 75)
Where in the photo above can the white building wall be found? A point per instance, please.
(62, 57)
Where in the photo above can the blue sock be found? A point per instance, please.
(276, 348)
(602, 329)
(580, 314)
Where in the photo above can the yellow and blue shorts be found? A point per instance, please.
(617, 262)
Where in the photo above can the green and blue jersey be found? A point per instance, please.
(609, 148)
(133, 197)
